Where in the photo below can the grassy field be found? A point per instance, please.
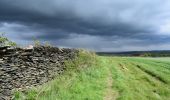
(161, 58)
(107, 78)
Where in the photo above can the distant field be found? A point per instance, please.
(109, 78)
(167, 59)
(161, 58)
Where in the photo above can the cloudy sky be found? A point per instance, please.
(101, 25)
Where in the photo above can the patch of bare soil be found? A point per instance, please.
(123, 67)
(109, 94)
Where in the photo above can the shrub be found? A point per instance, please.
(36, 42)
(4, 41)
(47, 44)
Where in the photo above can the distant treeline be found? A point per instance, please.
(165, 53)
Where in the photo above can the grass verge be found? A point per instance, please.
(84, 79)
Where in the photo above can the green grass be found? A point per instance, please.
(86, 79)
(134, 83)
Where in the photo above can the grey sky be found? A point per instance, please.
(101, 25)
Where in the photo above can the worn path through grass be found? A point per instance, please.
(109, 95)
(108, 78)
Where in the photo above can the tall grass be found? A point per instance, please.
(86, 79)
(83, 80)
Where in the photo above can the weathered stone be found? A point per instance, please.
(21, 68)
(26, 54)
(1, 61)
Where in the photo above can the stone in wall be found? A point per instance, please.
(21, 68)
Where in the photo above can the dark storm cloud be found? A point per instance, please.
(59, 19)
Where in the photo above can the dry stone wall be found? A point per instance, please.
(21, 68)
